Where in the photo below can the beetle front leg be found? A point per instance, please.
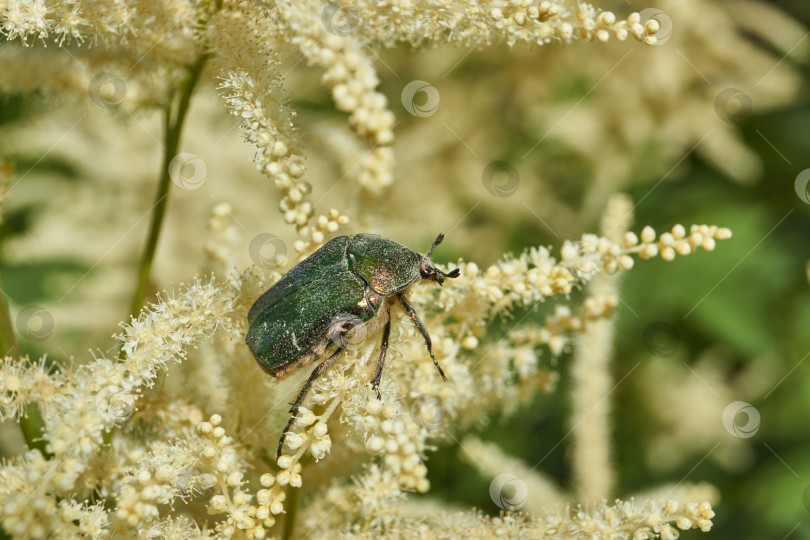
(375, 383)
(303, 393)
(421, 327)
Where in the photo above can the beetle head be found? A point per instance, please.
(428, 270)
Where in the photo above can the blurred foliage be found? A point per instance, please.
(751, 298)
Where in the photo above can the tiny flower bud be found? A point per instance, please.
(267, 480)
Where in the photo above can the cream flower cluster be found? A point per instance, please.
(622, 519)
(25, 381)
(395, 431)
(492, 376)
(391, 433)
(375, 494)
(29, 512)
(194, 459)
(79, 406)
(380, 428)
(131, 44)
(562, 322)
(274, 157)
(542, 493)
(223, 241)
(522, 21)
(350, 75)
(147, 46)
(221, 456)
(536, 274)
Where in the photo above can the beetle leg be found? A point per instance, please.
(422, 330)
(314, 375)
(283, 435)
(375, 383)
(303, 393)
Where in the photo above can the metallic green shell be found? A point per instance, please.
(329, 259)
(334, 285)
(300, 319)
(385, 265)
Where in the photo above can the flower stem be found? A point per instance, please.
(31, 423)
(8, 342)
(176, 111)
(292, 510)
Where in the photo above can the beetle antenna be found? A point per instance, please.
(452, 274)
(436, 243)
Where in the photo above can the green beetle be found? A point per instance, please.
(348, 282)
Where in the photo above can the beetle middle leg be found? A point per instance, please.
(422, 330)
(375, 383)
(303, 393)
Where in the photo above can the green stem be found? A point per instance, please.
(292, 509)
(175, 116)
(33, 426)
(31, 423)
(8, 342)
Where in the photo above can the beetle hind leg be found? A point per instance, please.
(303, 393)
(422, 330)
(283, 436)
(375, 383)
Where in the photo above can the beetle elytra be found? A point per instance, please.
(348, 282)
